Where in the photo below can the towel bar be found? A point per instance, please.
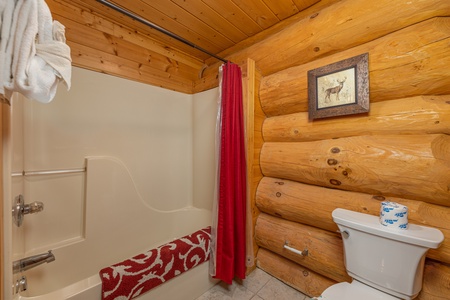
(299, 252)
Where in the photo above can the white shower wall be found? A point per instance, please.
(164, 140)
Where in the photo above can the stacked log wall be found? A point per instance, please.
(399, 151)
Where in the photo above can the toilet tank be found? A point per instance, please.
(387, 259)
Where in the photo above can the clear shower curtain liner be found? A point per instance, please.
(228, 236)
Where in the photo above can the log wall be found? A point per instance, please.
(399, 151)
(420, 51)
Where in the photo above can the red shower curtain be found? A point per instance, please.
(230, 239)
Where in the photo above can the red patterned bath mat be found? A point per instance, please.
(141, 273)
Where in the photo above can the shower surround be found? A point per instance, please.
(145, 176)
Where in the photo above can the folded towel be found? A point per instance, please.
(51, 63)
(6, 19)
(56, 53)
(37, 53)
(135, 276)
(20, 47)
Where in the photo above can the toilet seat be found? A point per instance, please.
(354, 291)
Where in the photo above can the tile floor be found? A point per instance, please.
(257, 286)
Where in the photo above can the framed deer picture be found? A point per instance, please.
(341, 88)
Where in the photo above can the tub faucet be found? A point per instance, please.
(32, 261)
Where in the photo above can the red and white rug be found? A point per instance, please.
(139, 274)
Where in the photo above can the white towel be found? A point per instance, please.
(6, 18)
(40, 57)
(56, 53)
(20, 49)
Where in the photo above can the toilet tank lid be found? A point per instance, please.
(415, 234)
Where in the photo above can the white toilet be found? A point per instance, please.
(385, 263)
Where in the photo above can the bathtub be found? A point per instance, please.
(188, 285)
(110, 236)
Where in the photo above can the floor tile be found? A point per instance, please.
(224, 291)
(275, 289)
(256, 280)
(258, 285)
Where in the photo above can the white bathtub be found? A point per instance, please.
(188, 285)
(114, 233)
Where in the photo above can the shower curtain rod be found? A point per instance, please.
(160, 29)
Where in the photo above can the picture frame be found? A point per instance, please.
(340, 88)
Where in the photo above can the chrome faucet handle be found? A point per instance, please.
(33, 207)
(21, 285)
(20, 209)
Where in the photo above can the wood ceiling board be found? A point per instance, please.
(167, 15)
(210, 17)
(222, 28)
(258, 11)
(282, 8)
(234, 14)
(94, 25)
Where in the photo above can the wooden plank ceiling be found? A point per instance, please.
(105, 40)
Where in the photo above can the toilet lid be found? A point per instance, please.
(354, 291)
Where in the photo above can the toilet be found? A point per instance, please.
(385, 263)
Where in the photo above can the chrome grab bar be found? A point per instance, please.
(30, 262)
(299, 252)
(48, 172)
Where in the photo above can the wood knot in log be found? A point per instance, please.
(332, 162)
(278, 194)
(381, 198)
(335, 182)
(335, 150)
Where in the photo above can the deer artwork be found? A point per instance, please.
(334, 90)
